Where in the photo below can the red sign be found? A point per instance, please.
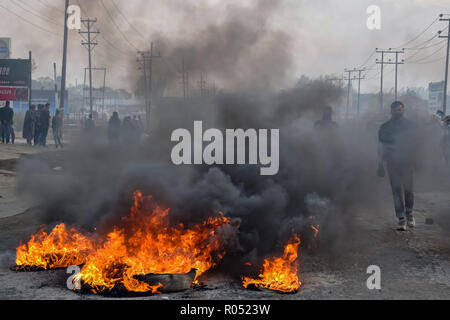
(7, 94)
(13, 94)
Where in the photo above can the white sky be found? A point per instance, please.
(327, 35)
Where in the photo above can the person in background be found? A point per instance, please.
(114, 129)
(13, 134)
(7, 119)
(44, 122)
(89, 126)
(57, 125)
(129, 132)
(29, 124)
(397, 142)
(37, 125)
(327, 122)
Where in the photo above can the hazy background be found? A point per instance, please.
(312, 38)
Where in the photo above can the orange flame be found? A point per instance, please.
(146, 244)
(316, 231)
(61, 248)
(279, 273)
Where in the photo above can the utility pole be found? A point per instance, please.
(187, 85)
(202, 84)
(90, 44)
(446, 63)
(337, 79)
(96, 97)
(396, 63)
(30, 57)
(359, 78)
(56, 85)
(147, 61)
(185, 77)
(62, 100)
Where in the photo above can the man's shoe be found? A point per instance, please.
(401, 225)
(411, 221)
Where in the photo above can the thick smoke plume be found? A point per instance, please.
(323, 180)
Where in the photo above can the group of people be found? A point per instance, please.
(128, 131)
(6, 124)
(37, 123)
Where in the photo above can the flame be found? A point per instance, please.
(61, 248)
(316, 231)
(144, 244)
(279, 273)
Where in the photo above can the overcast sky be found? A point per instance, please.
(319, 36)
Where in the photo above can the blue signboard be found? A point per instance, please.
(41, 97)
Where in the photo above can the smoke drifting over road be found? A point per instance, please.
(327, 176)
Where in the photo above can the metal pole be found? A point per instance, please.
(64, 62)
(104, 88)
(90, 69)
(56, 85)
(359, 90)
(31, 77)
(150, 86)
(446, 70)
(381, 91)
(396, 74)
(348, 93)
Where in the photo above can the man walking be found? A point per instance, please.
(397, 143)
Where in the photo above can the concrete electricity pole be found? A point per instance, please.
(185, 76)
(348, 92)
(446, 63)
(350, 71)
(62, 99)
(382, 63)
(202, 84)
(90, 44)
(147, 65)
(359, 78)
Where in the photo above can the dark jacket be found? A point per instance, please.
(399, 141)
(29, 124)
(44, 119)
(7, 116)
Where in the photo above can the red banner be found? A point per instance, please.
(13, 94)
(7, 94)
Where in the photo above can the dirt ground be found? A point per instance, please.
(414, 264)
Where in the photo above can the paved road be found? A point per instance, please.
(414, 264)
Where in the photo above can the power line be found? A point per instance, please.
(430, 55)
(40, 16)
(420, 34)
(427, 47)
(29, 22)
(117, 27)
(106, 40)
(125, 18)
(49, 5)
(368, 59)
(431, 61)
